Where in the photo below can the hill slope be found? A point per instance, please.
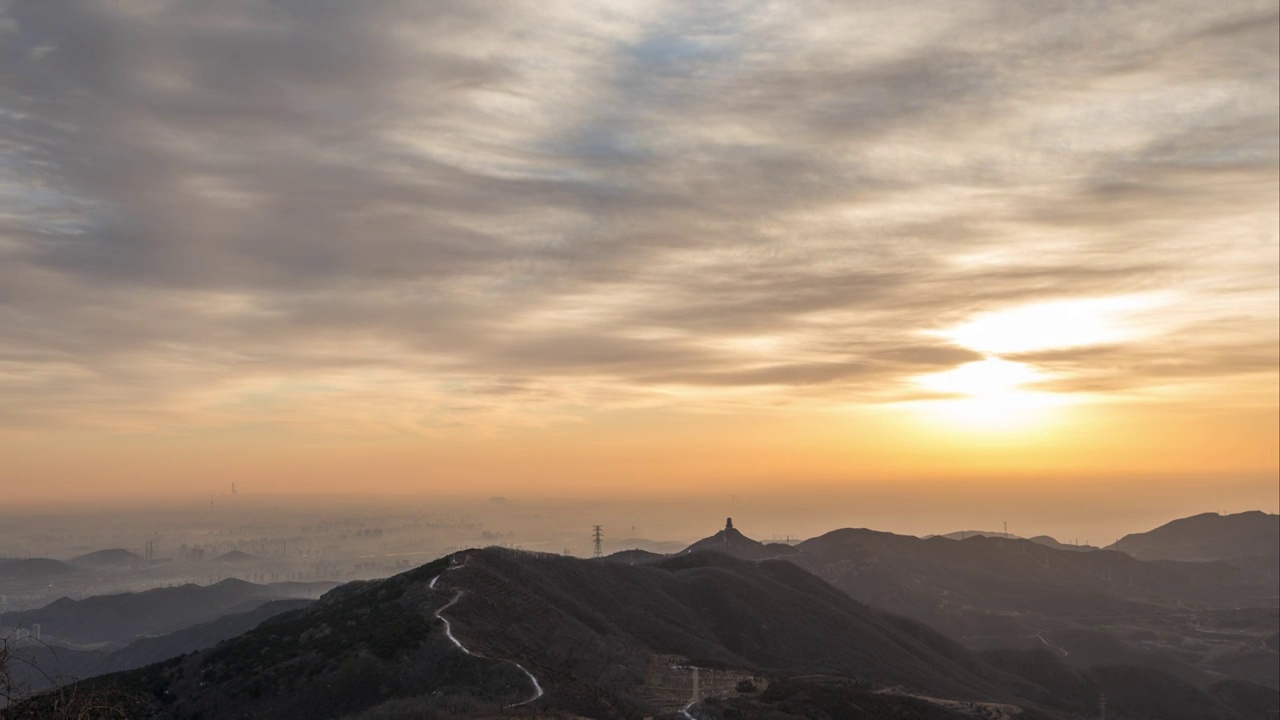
(598, 636)
(1191, 619)
(1209, 536)
(122, 618)
(38, 666)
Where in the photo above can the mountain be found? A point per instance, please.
(34, 569)
(635, 557)
(235, 557)
(1053, 543)
(110, 558)
(1209, 536)
(1192, 620)
(40, 665)
(998, 574)
(732, 542)
(122, 618)
(591, 638)
(658, 547)
(966, 534)
(994, 592)
(1045, 540)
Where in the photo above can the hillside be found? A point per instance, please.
(966, 534)
(40, 665)
(122, 618)
(1052, 542)
(1208, 536)
(1006, 574)
(23, 569)
(1190, 619)
(603, 639)
(1046, 540)
(1133, 690)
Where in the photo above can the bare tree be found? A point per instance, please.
(66, 701)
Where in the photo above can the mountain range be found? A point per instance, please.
(484, 629)
(105, 620)
(990, 627)
(1208, 536)
(1200, 621)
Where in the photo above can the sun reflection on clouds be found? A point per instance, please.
(1059, 324)
(989, 394)
(998, 394)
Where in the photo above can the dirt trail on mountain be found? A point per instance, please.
(448, 632)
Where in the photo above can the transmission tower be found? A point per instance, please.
(597, 537)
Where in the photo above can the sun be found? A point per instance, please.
(988, 394)
(1000, 394)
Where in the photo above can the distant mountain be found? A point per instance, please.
(635, 557)
(235, 557)
(113, 557)
(43, 665)
(122, 618)
(966, 534)
(660, 547)
(733, 543)
(34, 569)
(1209, 536)
(1053, 543)
(1008, 592)
(599, 639)
(1045, 540)
(1089, 607)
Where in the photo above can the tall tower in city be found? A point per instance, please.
(597, 537)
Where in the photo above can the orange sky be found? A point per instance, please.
(642, 247)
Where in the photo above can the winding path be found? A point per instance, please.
(448, 632)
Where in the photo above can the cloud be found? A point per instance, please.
(581, 206)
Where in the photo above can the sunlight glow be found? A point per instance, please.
(981, 378)
(989, 395)
(1058, 324)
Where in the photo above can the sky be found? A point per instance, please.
(627, 249)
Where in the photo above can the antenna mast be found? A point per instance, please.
(597, 537)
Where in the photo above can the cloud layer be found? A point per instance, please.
(416, 215)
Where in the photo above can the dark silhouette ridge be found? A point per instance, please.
(1208, 536)
(587, 629)
(1014, 593)
(43, 664)
(124, 617)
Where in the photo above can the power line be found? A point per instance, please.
(597, 537)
